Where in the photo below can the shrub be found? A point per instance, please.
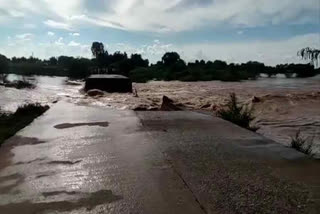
(33, 108)
(237, 114)
(302, 144)
(20, 84)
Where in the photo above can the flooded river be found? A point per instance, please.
(283, 105)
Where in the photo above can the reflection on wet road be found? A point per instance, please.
(148, 162)
(72, 125)
(84, 166)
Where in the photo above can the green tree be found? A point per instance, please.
(118, 56)
(79, 68)
(102, 58)
(311, 54)
(219, 65)
(4, 66)
(65, 61)
(97, 49)
(53, 61)
(170, 58)
(137, 61)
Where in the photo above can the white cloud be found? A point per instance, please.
(164, 15)
(180, 15)
(16, 13)
(153, 51)
(26, 36)
(59, 42)
(158, 48)
(74, 34)
(50, 33)
(29, 26)
(73, 44)
(269, 52)
(45, 50)
(20, 40)
(240, 32)
(57, 25)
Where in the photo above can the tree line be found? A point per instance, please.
(170, 67)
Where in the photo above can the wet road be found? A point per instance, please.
(78, 159)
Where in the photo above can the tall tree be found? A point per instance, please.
(97, 49)
(53, 61)
(311, 54)
(101, 56)
(137, 61)
(170, 58)
(4, 66)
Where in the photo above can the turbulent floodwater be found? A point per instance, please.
(48, 89)
(285, 106)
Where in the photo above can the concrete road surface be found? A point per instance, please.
(78, 159)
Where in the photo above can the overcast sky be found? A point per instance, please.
(271, 31)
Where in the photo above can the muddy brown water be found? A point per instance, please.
(284, 105)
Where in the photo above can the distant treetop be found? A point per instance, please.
(311, 54)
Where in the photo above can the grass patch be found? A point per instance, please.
(24, 115)
(302, 144)
(238, 114)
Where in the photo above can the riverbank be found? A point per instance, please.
(11, 123)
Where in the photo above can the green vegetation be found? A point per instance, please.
(27, 69)
(302, 144)
(62, 66)
(311, 54)
(12, 123)
(170, 67)
(4, 67)
(237, 114)
(19, 84)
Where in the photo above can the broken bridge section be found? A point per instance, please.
(109, 83)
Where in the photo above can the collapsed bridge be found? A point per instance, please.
(109, 83)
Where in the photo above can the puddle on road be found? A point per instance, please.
(22, 141)
(64, 162)
(47, 174)
(88, 201)
(72, 125)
